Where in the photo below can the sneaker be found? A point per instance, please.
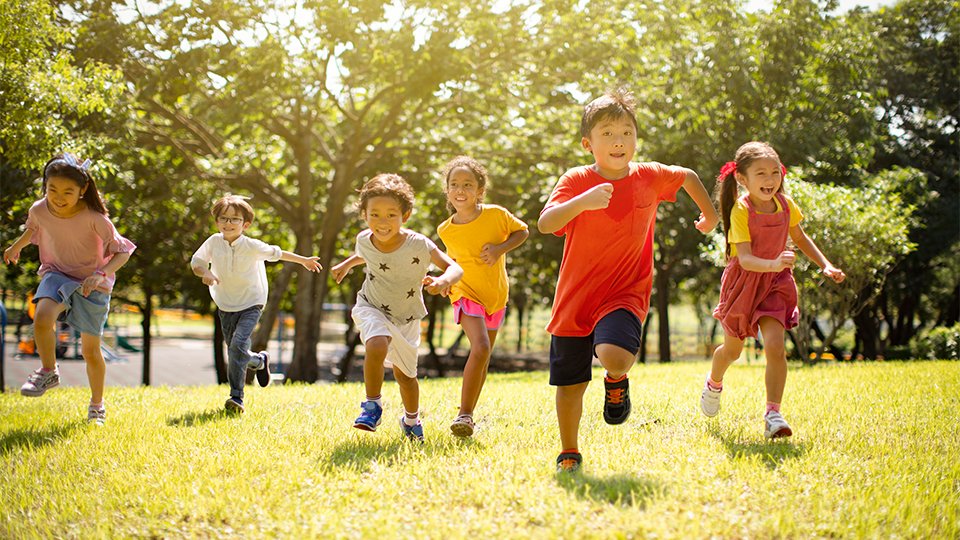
(462, 426)
(96, 415)
(40, 381)
(369, 418)
(569, 462)
(234, 405)
(616, 403)
(263, 374)
(776, 426)
(414, 432)
(709, 399)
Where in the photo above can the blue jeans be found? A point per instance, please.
(237, 327)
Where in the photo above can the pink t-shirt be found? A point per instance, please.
(76, 246)
(608, 254)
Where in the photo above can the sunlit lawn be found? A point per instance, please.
(875, 455)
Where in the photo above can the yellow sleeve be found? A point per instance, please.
(795, 214)
(739, 229)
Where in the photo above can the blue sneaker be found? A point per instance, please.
(414, 432)
(369, 418)
(234, 405)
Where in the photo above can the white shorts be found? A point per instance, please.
(404, 339)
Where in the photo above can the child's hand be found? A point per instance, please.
(209, 279)
(490, 253)
(312, 264)
(703, 225)
(597, 197)
(785, 260)
(834, 273)
(339, 271)
(435, 285)
(11, 256)
(90, 284)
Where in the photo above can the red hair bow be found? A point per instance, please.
(728, 168)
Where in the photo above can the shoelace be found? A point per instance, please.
(568, 464)
(615, 395)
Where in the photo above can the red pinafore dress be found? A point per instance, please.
(746, 296)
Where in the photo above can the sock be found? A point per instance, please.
(607, 378)
(45, 370)
(378, 400)
(96, 405)
(571, 451)
(410, 419)
(772, 407)
(714, 385)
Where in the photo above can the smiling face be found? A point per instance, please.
(613, 142)
(64, 196)
(231, 223)
(463, 190)
(763, 180)
(385, 218)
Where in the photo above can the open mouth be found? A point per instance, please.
(766, 190)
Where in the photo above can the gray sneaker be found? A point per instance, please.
(96, 415)
(40, 381)
(775, 426)
(709, 399)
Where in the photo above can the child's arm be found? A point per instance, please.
(206, 274)
(708, 214)
(451, 273)
(490, 253)
(811, 250)
(12, 253)
(340, 270)
(751, 262)
(310, 263)
(91, 283)
(556, 217)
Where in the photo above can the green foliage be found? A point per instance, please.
(940, 343)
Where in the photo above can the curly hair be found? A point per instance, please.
(387, 185)
(472, 165)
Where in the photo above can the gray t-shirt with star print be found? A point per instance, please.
(394, 282)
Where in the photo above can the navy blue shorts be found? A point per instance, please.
(571, 358)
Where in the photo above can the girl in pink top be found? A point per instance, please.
(757, 291)
(80, 250)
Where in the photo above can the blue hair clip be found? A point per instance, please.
(71, 160)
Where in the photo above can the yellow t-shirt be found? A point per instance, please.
(740, 231)
(486, 285)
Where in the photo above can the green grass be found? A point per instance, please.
(874, 456)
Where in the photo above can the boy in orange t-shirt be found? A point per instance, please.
(607, 212)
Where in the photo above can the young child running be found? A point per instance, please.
(607, 212)
(80, 251)
(232, 265)
(757, 291)
(477, 237)
(390, 303)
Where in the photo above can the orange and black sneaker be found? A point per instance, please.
(616, 402)
(568, 462)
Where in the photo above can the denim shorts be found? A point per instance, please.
(85, 314)
(571, 358)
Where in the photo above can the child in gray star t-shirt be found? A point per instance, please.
(390, 303)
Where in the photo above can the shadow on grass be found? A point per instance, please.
(197, 418)
(388, 449)
(619, 489)
(34, 438)
(771, 453)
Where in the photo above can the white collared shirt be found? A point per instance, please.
(240, 269)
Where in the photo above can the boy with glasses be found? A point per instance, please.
(231, 264)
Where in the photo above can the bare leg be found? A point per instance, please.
(409, 390)
(616, 360)
(773, 346)
(569, 411)
(475, 372)
(96, 366)
(45, 330)
(376, 352)
(724, 356)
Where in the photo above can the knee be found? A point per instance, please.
(377, 346)
(776, 352)
(613, 358)
(481, 349)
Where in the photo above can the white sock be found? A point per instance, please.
(378, 400)
(411, 419)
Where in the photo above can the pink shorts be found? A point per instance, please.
(466, 306)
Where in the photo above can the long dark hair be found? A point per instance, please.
(66, 165)
(472, 165)
(725, 192)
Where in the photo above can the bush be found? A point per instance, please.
(940, 343)
(898, 352)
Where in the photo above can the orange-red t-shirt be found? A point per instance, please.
(608, 254)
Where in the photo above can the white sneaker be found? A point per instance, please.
(40, 381)
(709, 399)
(96, 415)
(775, 426)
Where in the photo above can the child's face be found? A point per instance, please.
(463, 190)
(385, 218)
(63, 195)
(232, 224)
(613, 142)
(763, 179)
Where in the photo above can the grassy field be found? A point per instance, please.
(875, 455)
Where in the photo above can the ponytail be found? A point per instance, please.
(726, 190)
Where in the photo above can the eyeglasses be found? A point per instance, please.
(233, 221)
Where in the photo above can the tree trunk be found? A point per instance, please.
(260, 338)
(951, 314)
(219, 359)
(643, 341)
(663, 312)
(145, 326)
(867, 335)
(521, 305)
